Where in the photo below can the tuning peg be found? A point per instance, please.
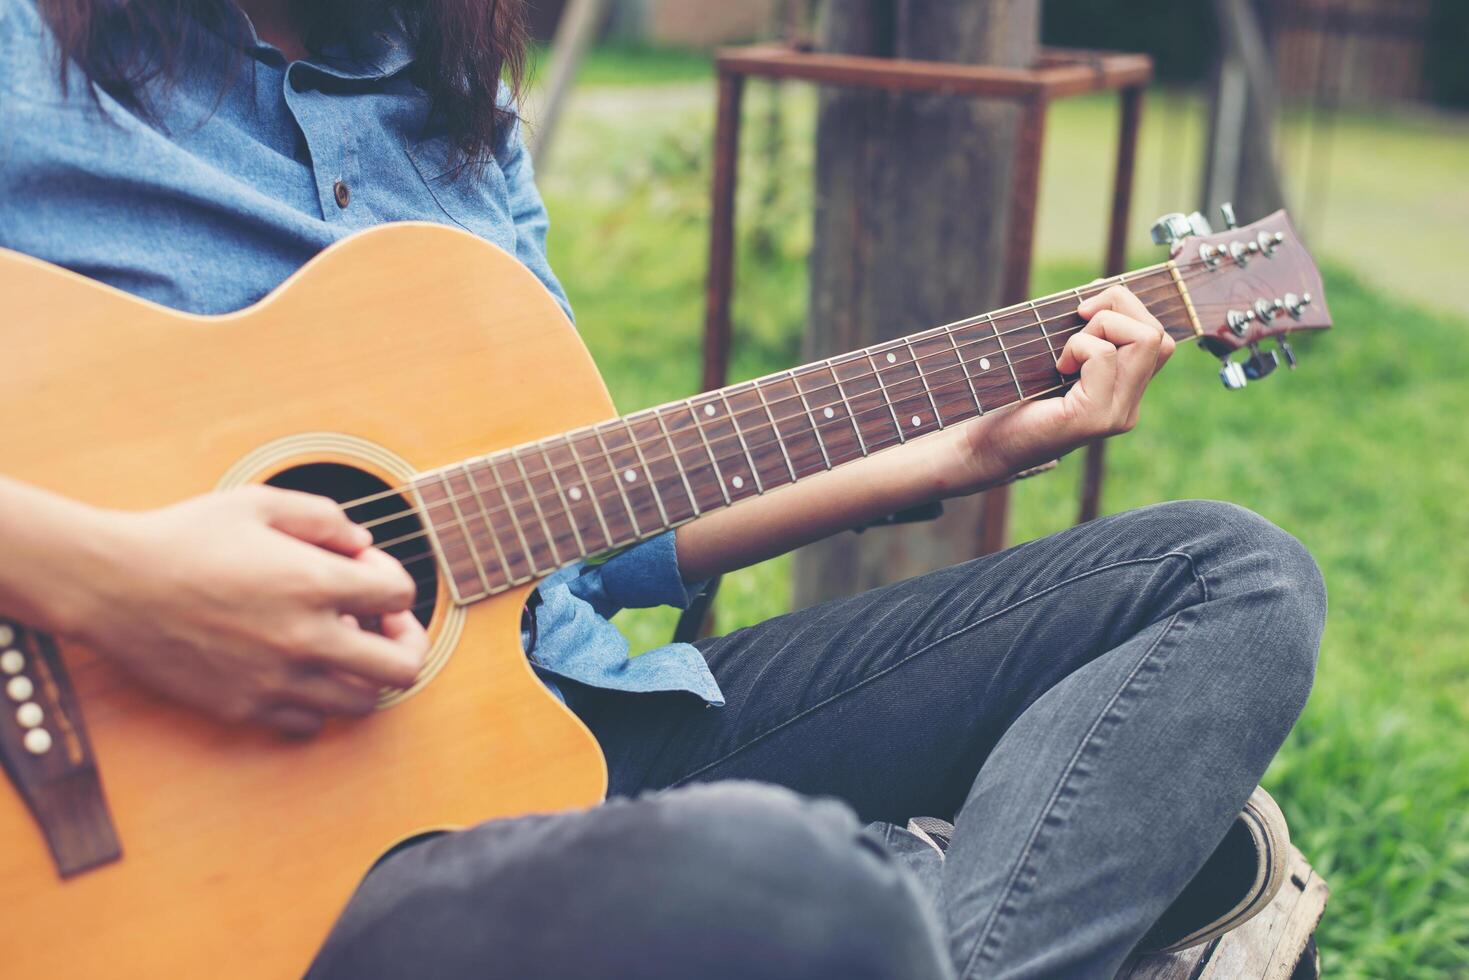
(1226, 211)
(1233, 375)
(1290, 355)
(1171, 228)
(1297, 304)
(1260, 363)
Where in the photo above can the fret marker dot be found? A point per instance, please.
(574, 493)
(630, 476)
(892, 358)
(708, 409)
(828, 413)
(738, 482)
(984, 363)
(917, 420)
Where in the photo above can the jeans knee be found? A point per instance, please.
(799, 874)
(1250, 559)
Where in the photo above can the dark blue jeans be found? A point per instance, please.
(1091, 709)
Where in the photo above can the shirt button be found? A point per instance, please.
(342, 194)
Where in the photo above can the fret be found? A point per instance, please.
(451, 545)
(665, 472)
(590, 494)
(815, 429)
(877, 373)
(947, 384)
(865, 400)
(772, 461)
(713, 460)
(678, 463)
(846, 404)
(601, 476)
(519, 499)
(795, 425)
(914, 408)
(647, 473)
(459, 516)
(521, 556)
(735, 468)
(1040, 321)
(959, 356)
(489, 525)
(535, 503)
(581, 546)
(735, 424)
(614, 470)
(776, 429)
(923, 379)
(1008, 362)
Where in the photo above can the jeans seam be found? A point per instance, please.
(1193, 568)
(1003, 907)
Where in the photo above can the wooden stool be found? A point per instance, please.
(1277, 944)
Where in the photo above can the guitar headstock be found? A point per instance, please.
(1247, 284)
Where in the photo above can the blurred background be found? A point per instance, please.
(1361, 453)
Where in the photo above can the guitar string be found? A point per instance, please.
(624, 423)
(433, 602)
(1186, 271)
(566, 513)
(653, 414)
(553, 496)
(555, 508)
(879, 348)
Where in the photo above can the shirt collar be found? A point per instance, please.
(373, 50)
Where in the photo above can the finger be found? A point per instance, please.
(1138, 345)
(291, 721)
(1081, 348)
(380, 659)
(326, 693)
(404, 627)
(370, 584)
(313, 519)
(1119, 299)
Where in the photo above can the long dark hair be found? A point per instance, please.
(462, 50)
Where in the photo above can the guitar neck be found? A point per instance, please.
(513, 516)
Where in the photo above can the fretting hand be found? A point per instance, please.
(1118, 351)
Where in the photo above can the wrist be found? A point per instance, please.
(57, 551)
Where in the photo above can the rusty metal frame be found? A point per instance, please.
(1058, 73)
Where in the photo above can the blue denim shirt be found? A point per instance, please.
(232, 188)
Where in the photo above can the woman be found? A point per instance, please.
(1092, 709)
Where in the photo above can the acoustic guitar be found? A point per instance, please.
(427, 381)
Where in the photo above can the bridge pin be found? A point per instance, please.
(37, 741)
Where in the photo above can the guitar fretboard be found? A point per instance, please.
(513, 516)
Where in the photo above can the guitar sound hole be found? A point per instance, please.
(394, 523)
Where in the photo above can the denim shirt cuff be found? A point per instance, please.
(646, 575)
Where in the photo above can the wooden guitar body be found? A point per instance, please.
(400, 349)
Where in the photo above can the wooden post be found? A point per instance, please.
(912, 208)
(721, 232)
(1116, 262)
(1239, 161)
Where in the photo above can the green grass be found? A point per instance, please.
(1362, 454)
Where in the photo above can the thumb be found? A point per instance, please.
(314, 520)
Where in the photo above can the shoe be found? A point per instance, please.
(1240, 878)
(932, 831)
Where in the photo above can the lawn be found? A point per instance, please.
(1361, 454)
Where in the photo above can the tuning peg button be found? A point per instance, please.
(1172, 228)
(1297, 304)
(1260, 363)
(1226, 211)
(1232, 374)
(1290, 355)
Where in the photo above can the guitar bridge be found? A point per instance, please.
(45, 752)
